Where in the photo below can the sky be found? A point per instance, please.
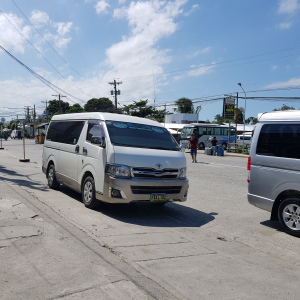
(159, 50)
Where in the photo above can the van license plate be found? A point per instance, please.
(158, 197)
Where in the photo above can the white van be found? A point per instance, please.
(16, 134)
(114, 158)
(244, 139)
(274, 168)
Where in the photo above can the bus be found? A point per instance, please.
(203, 131)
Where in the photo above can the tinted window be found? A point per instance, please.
(281, 140)
(225, 131)
(94, 129)
(202, 130)
(217, 131)
(66, 132)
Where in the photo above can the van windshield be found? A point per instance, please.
(140, 136)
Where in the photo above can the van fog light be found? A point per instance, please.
(115, 193)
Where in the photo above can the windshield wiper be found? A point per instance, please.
(163, 148)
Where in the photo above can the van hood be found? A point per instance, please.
(149, 158)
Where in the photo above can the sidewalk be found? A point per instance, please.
(225, 154)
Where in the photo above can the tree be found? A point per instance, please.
(99, 104)
(53, 107)
(75, 108)
(142, 110)
(251, 120)
(184, 106)
(284, 107)
(218, 119)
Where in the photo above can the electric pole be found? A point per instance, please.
(45, 109)
(115, 92)
(59, 103)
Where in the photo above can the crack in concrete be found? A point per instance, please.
(179, 256)
(85, 289)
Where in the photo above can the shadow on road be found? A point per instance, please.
(272, 224)
(22, 182)
(149, 214)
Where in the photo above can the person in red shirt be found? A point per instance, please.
(193, 145)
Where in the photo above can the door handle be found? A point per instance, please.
(84, 151)
(77, 149)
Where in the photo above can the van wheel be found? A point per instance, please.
(52, 181)
(88, 193)
(289, 216)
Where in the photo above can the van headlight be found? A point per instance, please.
(182, 173)
(118, 170)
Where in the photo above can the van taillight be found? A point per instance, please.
(249, 164)
(248, 169)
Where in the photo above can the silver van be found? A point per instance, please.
(274, 168)
(114, 158)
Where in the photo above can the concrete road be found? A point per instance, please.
(215, 245)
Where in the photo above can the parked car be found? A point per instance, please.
(274, 168)
(114, 158)
(16, 134)
(244, 140)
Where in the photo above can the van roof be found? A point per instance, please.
(280, 116)
(105, 117)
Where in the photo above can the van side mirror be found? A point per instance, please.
(97, 140)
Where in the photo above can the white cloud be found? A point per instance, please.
(194, 8)
(282, 84)
(63, 28)
(288, 6)
(197, 71)
(285, 25)
(9, 37)
(137, 53)
(101, 7)
(39, 18)
(198, 52)
(274, 68)
(59, 41)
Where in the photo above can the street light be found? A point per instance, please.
(244, 115)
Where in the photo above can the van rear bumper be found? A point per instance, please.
(260, 202)
(139, 190)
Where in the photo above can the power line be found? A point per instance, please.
(41, 78)
(51, 45)
(41, 53)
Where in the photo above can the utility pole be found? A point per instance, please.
(46, 109)
(236, 115)
(115, 92)
(59, 95)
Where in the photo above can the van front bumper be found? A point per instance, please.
(139, 190)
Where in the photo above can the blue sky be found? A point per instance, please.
(161, 50)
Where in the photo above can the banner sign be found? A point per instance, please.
(228, 108)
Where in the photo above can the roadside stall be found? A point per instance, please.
(41, 131)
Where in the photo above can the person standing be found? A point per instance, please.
(193, 144)
(214, 143)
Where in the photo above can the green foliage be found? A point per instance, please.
(142, 110)
(251, 120)
(53, 107)
(75, 108)
(99, 104)
(218, 119)
(184, 106)
(284, 107)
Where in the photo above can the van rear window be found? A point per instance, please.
(281, 140)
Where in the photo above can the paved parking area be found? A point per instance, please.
(215, 245)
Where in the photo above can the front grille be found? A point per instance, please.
(144, 190)
(154, 174)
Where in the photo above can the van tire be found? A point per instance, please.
(52, 181)
(289, 216)
(88, 193)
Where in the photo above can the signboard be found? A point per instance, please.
(2, 119)
(228, 108)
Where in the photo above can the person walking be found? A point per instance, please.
(214, 143)
(193, 144)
